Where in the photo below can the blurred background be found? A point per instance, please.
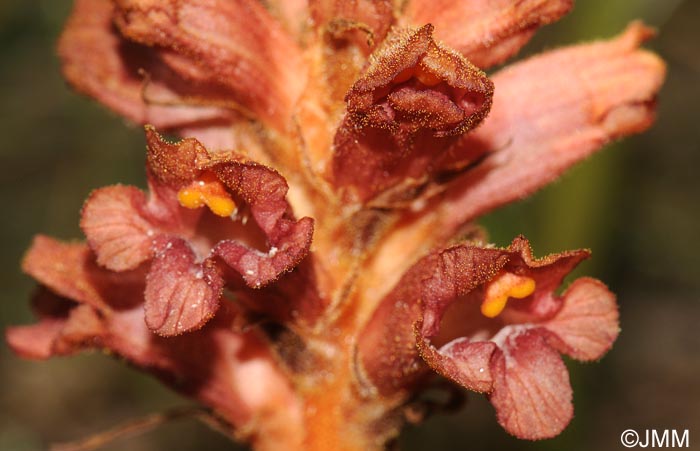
(636, 204)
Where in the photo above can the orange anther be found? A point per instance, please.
(207, 190)
(505, 285)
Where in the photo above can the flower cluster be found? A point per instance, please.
(305, 260)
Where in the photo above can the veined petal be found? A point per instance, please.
(487, 32)
(217, 365)
(540, 126)
(65, 268)
(531, 390)
(99, 62)
(181, 295)
(463, 361)
(235, 44)
(120, 223)
(113, 221)
(587, 324)
(263, 189)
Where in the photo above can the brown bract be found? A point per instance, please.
(414, 83)
(412, 97)
(374, 119)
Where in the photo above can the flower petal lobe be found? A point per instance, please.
(539, 126)
(180, 295)
(486, 31)
(116, 230)
(531, 390)
(587, 324)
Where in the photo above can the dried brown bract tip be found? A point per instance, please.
(414, 83)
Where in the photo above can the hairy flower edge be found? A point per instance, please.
(433, 315)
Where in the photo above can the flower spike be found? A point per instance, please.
(305, 259)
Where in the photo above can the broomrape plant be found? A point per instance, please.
(305, 261)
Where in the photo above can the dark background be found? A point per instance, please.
(637, 205)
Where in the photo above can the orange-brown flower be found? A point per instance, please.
(375, 123)
(490, 320)
(194, 252)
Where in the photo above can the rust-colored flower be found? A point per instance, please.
(194, 252)
(305, 261)
(490, 320)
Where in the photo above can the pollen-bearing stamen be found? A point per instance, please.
(207, 190)
(504, 286)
